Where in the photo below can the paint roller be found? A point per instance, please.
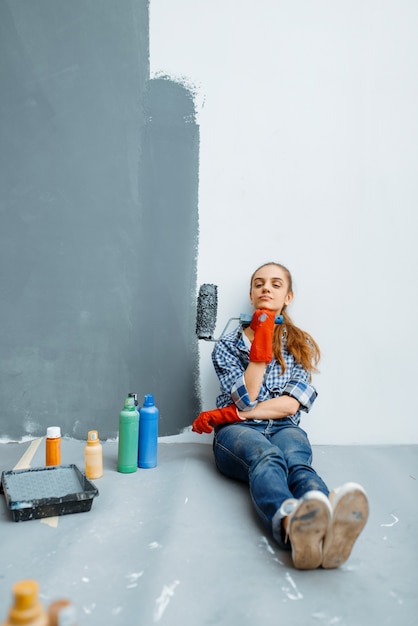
(207, 309)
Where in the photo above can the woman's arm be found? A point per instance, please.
(253, 376)
(230, 361)
(241, 382)
(297, 394)
(275, 408)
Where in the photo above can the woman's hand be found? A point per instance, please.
(205, 422)
(262, 324)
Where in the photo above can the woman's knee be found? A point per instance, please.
(269, 463)
(238, 449)
(229, 463)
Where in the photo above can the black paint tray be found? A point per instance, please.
(47, 491)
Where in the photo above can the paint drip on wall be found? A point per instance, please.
(168, 241)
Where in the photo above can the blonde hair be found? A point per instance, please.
(299, 343)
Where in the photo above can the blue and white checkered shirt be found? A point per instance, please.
(230, 358)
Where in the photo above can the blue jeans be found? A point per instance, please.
(274, 457)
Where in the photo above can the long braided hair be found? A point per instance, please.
(299, 343)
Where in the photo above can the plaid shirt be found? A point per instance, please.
(230, 358)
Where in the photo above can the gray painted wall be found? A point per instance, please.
(98, 222)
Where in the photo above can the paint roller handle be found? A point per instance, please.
(245, 319)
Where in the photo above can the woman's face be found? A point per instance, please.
(270, 289)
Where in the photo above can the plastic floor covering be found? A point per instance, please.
(181, 544)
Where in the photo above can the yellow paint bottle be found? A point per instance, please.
(93, 456)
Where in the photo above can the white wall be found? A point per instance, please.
(309, 135)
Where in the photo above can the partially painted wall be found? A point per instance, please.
(98, 214)
(305, 141)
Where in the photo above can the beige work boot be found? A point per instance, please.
(306, 522)
(350, 510)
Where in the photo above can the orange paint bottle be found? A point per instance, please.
(27, 609)
(53, 445)
(62, 613)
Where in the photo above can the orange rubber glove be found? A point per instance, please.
(262, 323)
(205, 422)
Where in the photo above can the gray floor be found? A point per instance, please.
(179, 544)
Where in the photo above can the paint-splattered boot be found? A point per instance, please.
(306, 522)
(350, 510)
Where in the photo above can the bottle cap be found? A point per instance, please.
(53, 432)
(25, 593)
(26, 603)
(130, 403)
(134, 396)
(93, 437)
(149, 400)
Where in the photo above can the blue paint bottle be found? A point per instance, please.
(148, 433)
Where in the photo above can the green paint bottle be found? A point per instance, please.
(128, 437)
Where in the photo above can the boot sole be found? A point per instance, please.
(348, 520)
(307, 529)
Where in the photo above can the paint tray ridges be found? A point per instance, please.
(47, 491)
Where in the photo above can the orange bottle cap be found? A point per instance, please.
(26, 603)
(26, 594)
